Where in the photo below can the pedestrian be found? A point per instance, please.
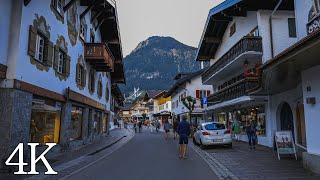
(151, 126)
(157, 126)
(167, 128)
(252, 135)
(236, 129)
(175, 128)
(184, 132)
(135, 126)
(140, 126)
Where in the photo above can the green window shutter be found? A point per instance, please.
(48, 53)
(89, 81)
(84, 77)
(77, 73)
(32, 41)
(56, 57)
(67, 65)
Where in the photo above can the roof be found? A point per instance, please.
(180, 75)
(115, 90)
(151, 94)
(220, 16)
(127, 106)
(183, 81)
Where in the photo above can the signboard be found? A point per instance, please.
(285, 143)
(204, 100)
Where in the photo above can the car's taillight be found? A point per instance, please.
(227, 132)
(205, 133)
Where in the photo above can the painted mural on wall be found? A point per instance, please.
(72, 20)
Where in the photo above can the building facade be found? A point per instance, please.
(58, 61)
(263, 68)
(189, 84)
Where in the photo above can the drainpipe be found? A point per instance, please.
(270, 23)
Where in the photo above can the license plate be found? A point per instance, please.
(217, 140)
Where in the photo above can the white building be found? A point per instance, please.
(58, 60)
(270, 76)
(189, 84)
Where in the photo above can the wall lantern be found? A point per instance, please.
(246, 63)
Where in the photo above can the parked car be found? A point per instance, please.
(212, 133)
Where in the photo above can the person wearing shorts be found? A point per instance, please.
(167, 128)
(184, 132)
(175, 129)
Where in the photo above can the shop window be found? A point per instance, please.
(96, 122)
(76, 123)
(107, 92)
(292, 27)
(232, 29)
(254, 114)
(45, 121)
(105, 121)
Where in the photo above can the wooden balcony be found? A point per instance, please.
(247, 49)
(99, 56)
(235, 90)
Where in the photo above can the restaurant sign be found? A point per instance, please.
(285, 143)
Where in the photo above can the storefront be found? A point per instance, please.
(76, 123)
(45, 120)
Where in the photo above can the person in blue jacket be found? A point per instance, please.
(184, 132)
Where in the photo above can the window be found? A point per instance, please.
(76, 123)
(61, 62)
(92, 81)
(232, 29)
(80, 73)
(45, 121)
(83, 30)
(39, 55)
(99, 90)
(316, 6)
(214, 126)
(202, 93)
(254, 32)
(292, 27)
(58, 5)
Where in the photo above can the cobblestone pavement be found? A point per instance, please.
(242, 163)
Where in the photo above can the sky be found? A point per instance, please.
(183, 20)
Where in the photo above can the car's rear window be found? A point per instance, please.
(214, 126)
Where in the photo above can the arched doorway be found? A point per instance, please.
(286, 118)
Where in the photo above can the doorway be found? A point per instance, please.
(286, 118)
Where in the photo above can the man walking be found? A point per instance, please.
(140, 126)
(184, 132)
(175, 128)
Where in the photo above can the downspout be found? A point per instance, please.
(270, 24)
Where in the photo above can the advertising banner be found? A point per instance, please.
(285, 143)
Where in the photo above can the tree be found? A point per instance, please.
(189, 103)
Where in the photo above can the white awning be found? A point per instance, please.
(241, 100)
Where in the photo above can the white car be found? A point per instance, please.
(212, 133)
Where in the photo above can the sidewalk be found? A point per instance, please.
(242, 163)
(65, 162)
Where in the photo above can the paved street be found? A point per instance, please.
(149, 156)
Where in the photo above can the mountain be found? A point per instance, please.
(153, 64)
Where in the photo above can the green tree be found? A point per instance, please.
(189, 103)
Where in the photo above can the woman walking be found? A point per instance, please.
(167, 128)
(236, 129)
(252, 135)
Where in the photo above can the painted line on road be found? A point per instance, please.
(96, 161)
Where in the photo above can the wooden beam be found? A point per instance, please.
(96, 16)
(68, 6)
(113, 41)
(213, 39)
(205, 58)
(26, 2)
(87, 10)
(97, 27)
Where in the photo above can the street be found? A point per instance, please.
(149, 156)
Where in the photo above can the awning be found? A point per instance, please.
(244, 100)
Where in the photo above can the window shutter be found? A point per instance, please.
(67, 65)
(32, 41)
(208, 93)
(56, 57)
(89, 81)
(84, 77)
(198, 94)
(48, 53)
(77, 73)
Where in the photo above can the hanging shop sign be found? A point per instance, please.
(285, 143)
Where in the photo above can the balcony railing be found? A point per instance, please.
(313, 25)
(235, 90)
(246, 44)
(99, 56)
